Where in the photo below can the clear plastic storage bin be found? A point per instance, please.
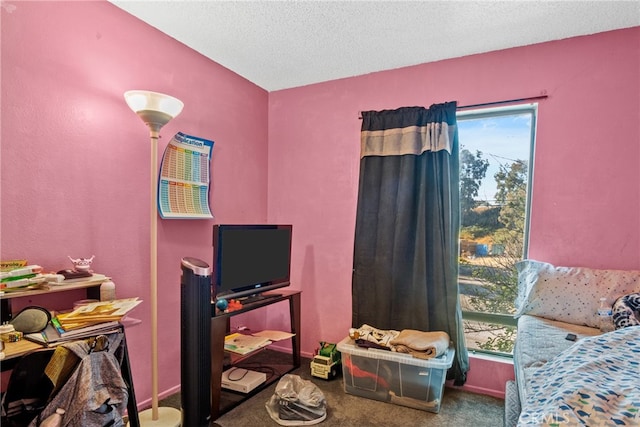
(392, 377)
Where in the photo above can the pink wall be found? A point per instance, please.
(586, 191)
(75, 166)
(75, 158)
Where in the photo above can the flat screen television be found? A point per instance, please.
(250, 259)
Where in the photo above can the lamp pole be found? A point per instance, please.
(153, 273)
(155, 110)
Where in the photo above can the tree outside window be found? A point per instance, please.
(496, 148)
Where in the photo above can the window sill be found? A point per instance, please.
(491, 357)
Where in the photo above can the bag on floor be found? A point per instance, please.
(297, 402)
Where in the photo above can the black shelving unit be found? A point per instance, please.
(223, 400)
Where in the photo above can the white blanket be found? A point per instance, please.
(594, 383)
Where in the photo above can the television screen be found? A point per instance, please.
(250, 259)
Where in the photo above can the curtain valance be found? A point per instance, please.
(408, 130)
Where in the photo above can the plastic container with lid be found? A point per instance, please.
(107, 291)
(394, 377)
(605, 316)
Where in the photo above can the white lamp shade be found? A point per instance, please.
(153, 107)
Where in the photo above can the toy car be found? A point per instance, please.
(327, 362)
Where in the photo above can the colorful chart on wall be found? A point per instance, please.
(183, 184)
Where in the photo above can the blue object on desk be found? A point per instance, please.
(222, 304)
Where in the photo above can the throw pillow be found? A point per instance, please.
(569, 294)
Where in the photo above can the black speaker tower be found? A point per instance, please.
(195, 342)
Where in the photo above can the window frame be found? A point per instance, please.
(481, 113)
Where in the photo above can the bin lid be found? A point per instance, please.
(349, 346)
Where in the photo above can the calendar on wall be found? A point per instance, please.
(183, 184)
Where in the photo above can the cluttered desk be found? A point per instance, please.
(33, 333)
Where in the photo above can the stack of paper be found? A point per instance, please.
(85, 321)
(21, 278)
(243, 344)
(96, 312)
(51, 336)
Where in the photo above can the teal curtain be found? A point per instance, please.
(405, 272)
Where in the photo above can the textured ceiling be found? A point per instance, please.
(284, 44)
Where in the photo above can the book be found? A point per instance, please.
(243, 344)
(274, 335)
(50, 336)
(88, 320)
(56, 324)
(72, 326)
(46, 337)
(94, 278)
(12, 264)
(90, 330)
(96, 312)
(25, 272)
(38, 282)
(22, 282)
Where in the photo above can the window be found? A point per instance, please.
(496, 167)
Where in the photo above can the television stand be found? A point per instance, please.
(220, 327)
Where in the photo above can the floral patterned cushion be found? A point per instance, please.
(569, 294)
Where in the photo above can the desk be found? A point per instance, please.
(15, 350)
(220, 328)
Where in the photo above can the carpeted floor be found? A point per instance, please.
(458, 408)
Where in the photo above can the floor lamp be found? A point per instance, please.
(155, 109)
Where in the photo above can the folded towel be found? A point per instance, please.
(422, 345)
